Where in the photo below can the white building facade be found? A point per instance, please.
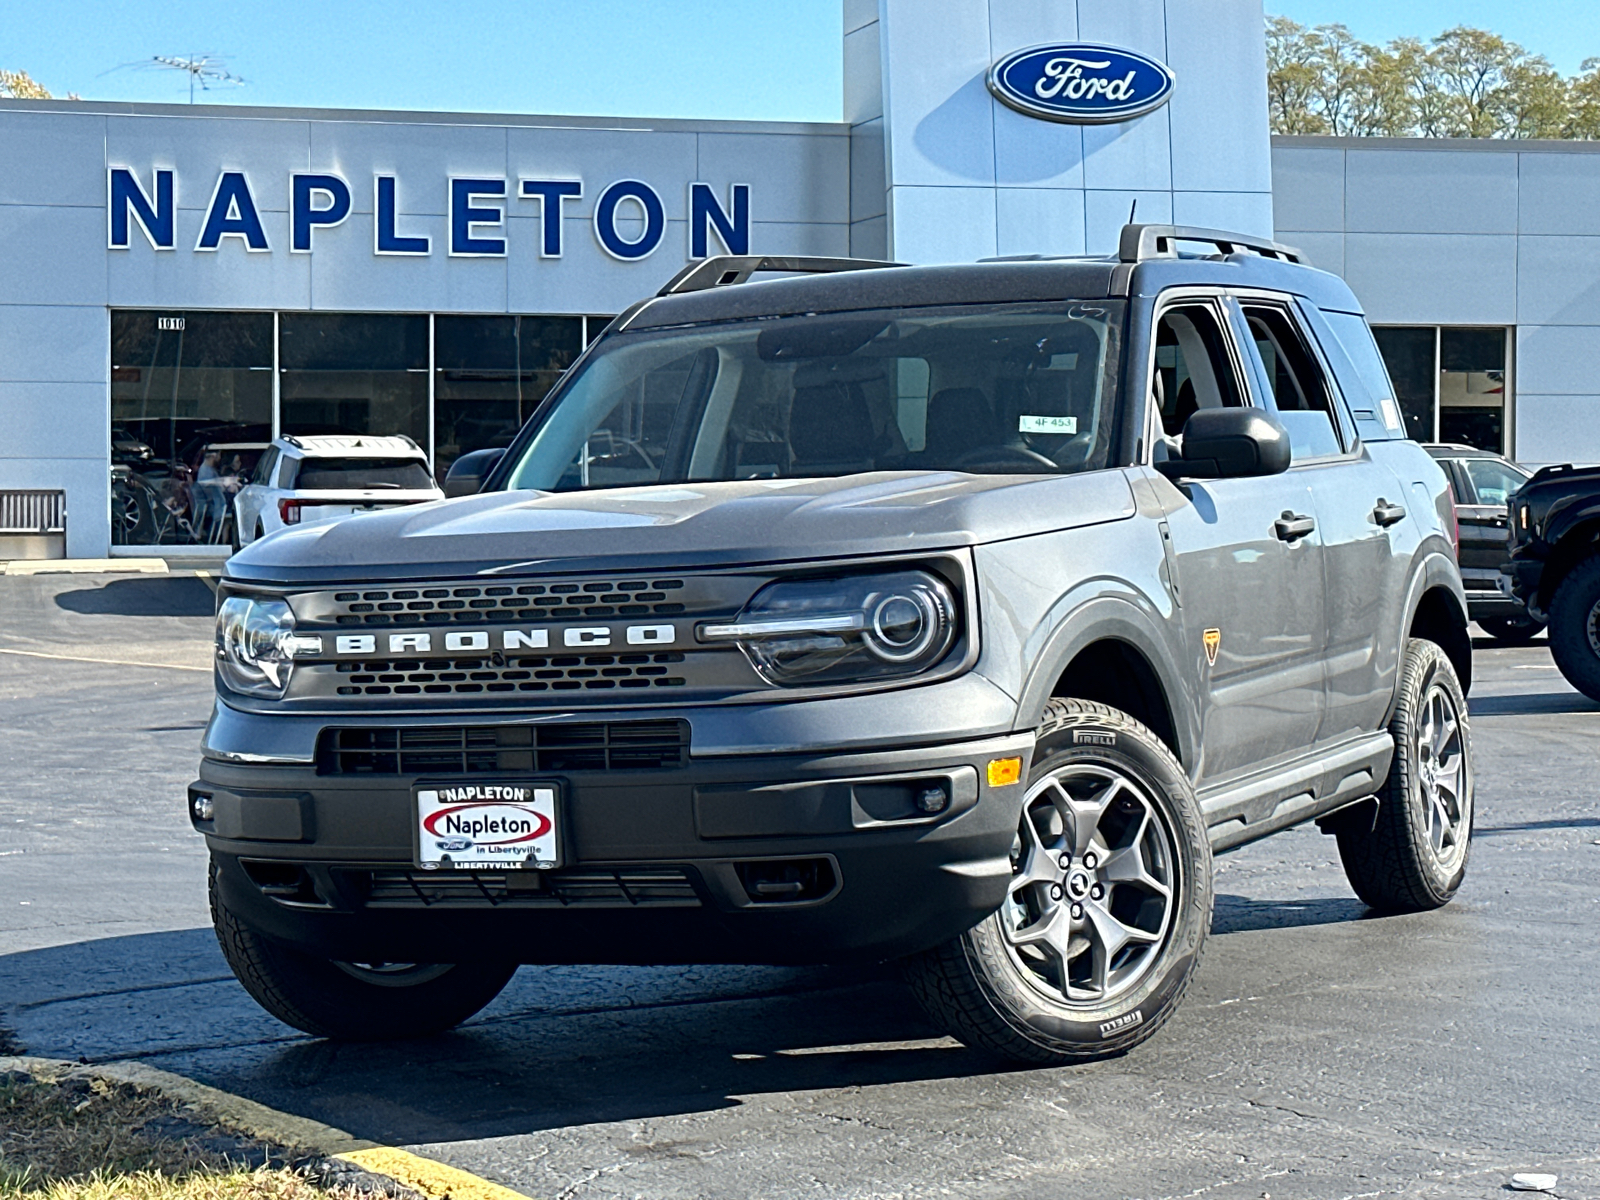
(180, 284)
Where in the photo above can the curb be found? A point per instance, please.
(435, 1180)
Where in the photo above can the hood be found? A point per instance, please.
(682, 526)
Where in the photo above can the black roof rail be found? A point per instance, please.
(1141, 242)
(737, 268)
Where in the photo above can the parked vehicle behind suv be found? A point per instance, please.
(954, 615)
(1481, 484)
(311, 480)
(1554, 566)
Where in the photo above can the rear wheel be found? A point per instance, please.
(1575, 627)
(358, 1002)
(1513, 631)
(1408, 851)
(1108, 907)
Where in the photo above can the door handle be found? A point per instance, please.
(1292, 526)
(1386, 514)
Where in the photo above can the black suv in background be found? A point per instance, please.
(1481, 484)
(1554, 566)
(949, 614)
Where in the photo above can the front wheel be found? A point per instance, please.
(358, 1002)
(1575, 627)
(1408, 850)
(1108, 906)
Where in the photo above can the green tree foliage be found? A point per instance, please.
(1465, 83)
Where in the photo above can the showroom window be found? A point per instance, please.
(353, 373)
(1452, 382)
(490, 373)
(191, 411)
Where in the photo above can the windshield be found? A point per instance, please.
(1016, 389)
(343, 474)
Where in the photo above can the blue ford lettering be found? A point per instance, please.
(1080, 83)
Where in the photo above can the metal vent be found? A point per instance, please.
(463, 676)
(623, 887)
(537, 601)
(33, 512)
(466, 749)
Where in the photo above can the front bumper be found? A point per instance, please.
(659, 866)
(1520, 581)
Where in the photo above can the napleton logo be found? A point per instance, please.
(1212, 638)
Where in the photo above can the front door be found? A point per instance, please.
(1248, 567)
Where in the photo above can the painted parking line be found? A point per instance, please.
(108, 662)
(436, 1180)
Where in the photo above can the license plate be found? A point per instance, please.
(470, 825)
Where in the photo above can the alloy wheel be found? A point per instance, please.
(1093, 886)
(1442, 777)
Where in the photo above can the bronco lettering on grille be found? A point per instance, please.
(660, 636)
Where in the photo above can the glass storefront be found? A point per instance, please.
(197, 396)
(1452, 382)
(191, 411)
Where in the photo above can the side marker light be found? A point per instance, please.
(1004, 771)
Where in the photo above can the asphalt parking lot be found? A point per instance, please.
(1322, 1052)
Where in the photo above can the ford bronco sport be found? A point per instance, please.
(950, 614)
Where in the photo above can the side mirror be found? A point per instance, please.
(1229, 443)
(466, 475)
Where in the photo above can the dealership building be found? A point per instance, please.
(182, 283)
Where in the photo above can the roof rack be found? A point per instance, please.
(737, 268)
(1141, 242)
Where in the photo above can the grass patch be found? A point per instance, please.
(80, 1138)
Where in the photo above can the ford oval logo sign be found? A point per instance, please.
(1080, 83)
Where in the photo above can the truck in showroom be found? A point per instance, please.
(953, 615)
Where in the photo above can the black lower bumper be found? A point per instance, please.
(1523, 577)
(760, 859)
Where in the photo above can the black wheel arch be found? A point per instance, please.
(1437, 610)
(1574, 539)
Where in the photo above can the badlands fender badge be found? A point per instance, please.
(1212, 638)
(1126, 1021)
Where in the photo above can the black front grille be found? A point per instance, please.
(469, 749)
(508, 602)
(552, 673)
(597, 887)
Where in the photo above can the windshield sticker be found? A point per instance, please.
(1391, 414)
(1063, 362)
(1032, 424)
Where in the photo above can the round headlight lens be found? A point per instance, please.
(852, 629)
(256, 646)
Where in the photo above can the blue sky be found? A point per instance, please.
(731, 59)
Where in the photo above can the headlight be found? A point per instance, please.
(854, 629)
(257, 644)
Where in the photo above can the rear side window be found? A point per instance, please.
(344, 474)
(1302, 393)
(1360, 347)
(1493, 481)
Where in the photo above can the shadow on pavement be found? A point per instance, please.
(561, 1047)
(1532, 704)
(1535, 826)
(151, 596)
(1239, 914)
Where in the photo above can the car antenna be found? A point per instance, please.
(1133, 208)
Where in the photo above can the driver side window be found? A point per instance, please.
(1193, 369)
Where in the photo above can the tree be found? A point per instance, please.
(17, 85)
(1465, 83)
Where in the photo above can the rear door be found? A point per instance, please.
(1360, 508)
(1483, 485)
(1248, 559)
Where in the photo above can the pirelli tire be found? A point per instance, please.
(357, 1002)
(1408, 851)
(1030, 983)
(1575, 627)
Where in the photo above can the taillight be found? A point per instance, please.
(1455, 532)
(289, 511)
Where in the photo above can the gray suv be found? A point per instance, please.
(955, 615)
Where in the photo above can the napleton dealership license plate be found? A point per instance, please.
(486, 824)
